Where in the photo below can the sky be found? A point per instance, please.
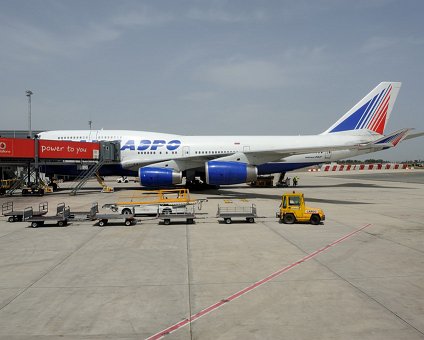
(213, 67)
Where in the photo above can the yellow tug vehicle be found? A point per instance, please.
(293, 209)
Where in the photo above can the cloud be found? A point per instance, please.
(142, 16)
(375, 44)
(33, 43)
(219, 15)
(249, 74)
(198, 96)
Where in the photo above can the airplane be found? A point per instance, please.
(160, 159)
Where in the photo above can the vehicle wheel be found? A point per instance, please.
(11, 219)
(251, 220)
(102, 223)
(34, 224)
(126, 211)
(61, 223)
(126, 181)
(315, 219)
(128, 222)
(288, 219)
(167, 222)
(190, 221)
(227, 220)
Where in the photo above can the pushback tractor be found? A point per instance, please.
(293, 209)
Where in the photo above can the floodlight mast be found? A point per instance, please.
(29, 93)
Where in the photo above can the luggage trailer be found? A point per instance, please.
(227, 213)
(184, 213)
(18, 215)
(85, 215)
(61, 218)
(103, 219)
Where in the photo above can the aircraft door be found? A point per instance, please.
(186, 151)
(93, 135)
(327, 154)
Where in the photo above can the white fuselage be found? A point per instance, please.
(139, 148)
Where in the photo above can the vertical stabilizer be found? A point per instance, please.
(372, 112)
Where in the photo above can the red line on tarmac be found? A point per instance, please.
(218, 304)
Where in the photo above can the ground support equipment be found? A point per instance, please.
(60, 219)
(18, 215)
(180, 214)
(227, 213)
(85, 215)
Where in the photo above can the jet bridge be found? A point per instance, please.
(33, 154)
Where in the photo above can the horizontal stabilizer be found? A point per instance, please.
(394, 138)
(414, 135)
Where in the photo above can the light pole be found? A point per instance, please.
(29, 94)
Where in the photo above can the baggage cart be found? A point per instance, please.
(103, 219)
(227, 213)
(85, 215)
(60, 219)
(177, 214)
(17, 215)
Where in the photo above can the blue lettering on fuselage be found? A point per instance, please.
(129, 145)
(146, 144)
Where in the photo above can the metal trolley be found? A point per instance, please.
(18, 215)
(183, 213)
(227, 213)
(61, 218)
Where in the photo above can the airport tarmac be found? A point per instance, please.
(117, 282)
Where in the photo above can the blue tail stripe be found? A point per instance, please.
(389, 139)
(350, 122)
(373, 110)
(367, 112)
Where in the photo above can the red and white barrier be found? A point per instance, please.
(353, 167)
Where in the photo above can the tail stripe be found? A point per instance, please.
(379, 128)
(367, 111)
(380, 113)
(369, 116)
(371, 113)
(395, 138)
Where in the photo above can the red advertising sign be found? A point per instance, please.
(16, 148)
(53, 149)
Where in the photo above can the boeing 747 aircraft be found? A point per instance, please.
(164, 159)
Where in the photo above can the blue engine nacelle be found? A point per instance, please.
(218, 173)
(159, 177)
